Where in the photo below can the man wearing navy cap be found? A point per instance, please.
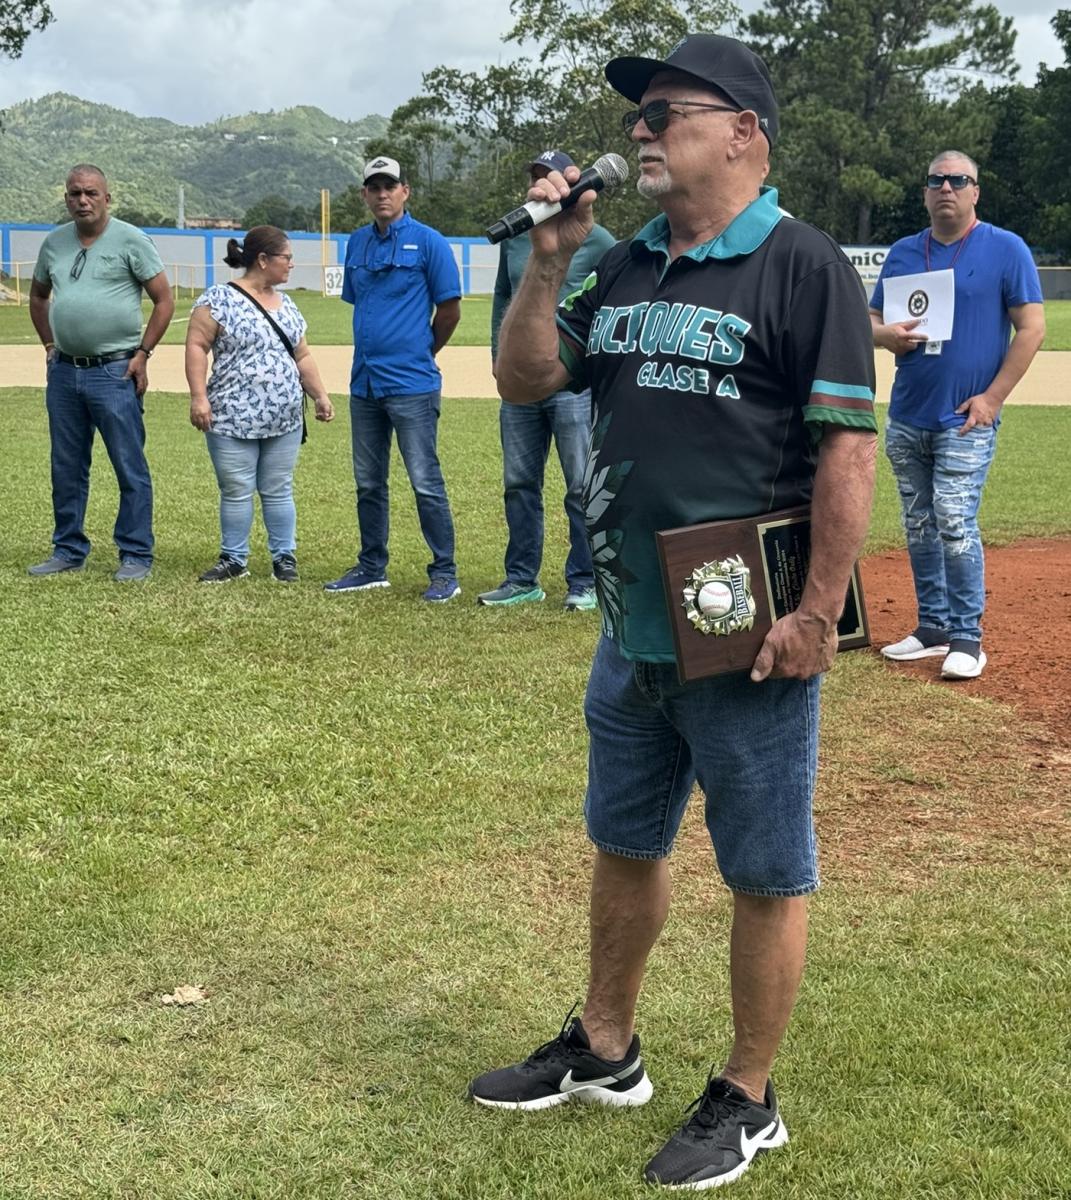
(402, 280)
(527, 431)
(729, 356)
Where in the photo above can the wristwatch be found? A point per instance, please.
(145, 350)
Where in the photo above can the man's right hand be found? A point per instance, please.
(562, 235)
(899, 338)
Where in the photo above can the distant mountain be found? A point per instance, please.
(225, 166)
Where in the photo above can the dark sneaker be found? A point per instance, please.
(718, 1142)
(284, 569)
(512, 593)
(580, 600)
(356, 580)
(442, 589)
(55, 565)
(566, 1069)
(226, 568)
(131, 569)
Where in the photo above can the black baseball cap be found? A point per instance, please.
(553, 160)
(728, 64)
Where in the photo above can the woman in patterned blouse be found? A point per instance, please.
(251, 410)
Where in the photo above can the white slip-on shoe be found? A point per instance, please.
(911, 648)
(961, 665)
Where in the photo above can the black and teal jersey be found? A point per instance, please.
(712, 377)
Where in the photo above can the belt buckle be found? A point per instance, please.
(81, 360)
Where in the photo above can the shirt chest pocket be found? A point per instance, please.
(404, 272)
(111, 268)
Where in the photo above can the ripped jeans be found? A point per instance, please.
(940, 476)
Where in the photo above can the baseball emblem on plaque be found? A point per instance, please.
(726, 582)
(717, 597)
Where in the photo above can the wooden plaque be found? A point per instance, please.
(726, 582)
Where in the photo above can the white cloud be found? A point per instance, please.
(195, 60)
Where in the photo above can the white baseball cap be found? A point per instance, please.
(381, 165)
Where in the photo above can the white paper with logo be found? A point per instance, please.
(929, 298)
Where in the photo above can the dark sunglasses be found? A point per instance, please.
(655, 114)
(79, 263)
(958, 182)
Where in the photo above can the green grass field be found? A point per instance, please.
(355, 820)
(329, 322)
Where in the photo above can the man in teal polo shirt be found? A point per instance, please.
(402, 280)
(85, 304)
(527, 431)
(729, 356)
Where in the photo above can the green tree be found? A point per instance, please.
(348, 210)
(18, 19)
(1049, 155)
(557, 97)
(276, 210)
(434, 154)
(867, 89)
(150, 220)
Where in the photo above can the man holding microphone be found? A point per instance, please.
(728, 352)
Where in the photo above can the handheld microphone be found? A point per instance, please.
(604, 174)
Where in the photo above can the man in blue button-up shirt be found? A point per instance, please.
(402, 280)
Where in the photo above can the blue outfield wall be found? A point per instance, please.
(194, 257)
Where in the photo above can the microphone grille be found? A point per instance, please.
(612, 168)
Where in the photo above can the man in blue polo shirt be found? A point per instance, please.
(402, 280)
(946, 403)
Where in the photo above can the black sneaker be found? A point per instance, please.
(284, 569)
(716, 1145)
(226, 568)
(566, 1069)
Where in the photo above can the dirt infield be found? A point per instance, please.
(467, 372)
(1029, 662)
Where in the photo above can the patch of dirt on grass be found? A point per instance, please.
(943, 777)
(1027, 628)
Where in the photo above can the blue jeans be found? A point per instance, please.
(81, 400)
(940, 477)
(753, 747)
(265, 465)
(526, 432)
(415, 419)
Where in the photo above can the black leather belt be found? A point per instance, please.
(94, 360)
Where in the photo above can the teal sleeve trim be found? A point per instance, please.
(849, 390)
(822, 414)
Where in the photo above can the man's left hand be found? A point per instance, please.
(981, 410)
(136, 370)
(798, 646)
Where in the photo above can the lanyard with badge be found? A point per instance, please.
(935, 347)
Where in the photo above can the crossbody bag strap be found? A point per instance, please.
(271, 321)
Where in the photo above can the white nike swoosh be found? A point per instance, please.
(748, 1146)
(569, 1084)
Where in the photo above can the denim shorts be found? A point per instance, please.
(753, 747)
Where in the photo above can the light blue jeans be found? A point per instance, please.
(264, 465)
(526, 433)
(940, 476)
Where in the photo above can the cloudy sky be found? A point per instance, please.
(195, 60)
